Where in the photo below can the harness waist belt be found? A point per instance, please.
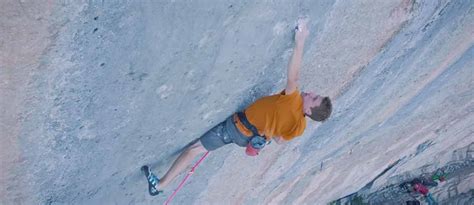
(243, 119)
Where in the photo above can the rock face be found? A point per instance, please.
(92, 90)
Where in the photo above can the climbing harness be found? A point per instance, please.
(256, 142)
(185, 178)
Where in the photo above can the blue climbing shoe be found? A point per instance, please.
(152, 181)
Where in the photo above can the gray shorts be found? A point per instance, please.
(222, 134)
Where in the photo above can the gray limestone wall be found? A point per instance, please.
(447, 184)
(93, 90)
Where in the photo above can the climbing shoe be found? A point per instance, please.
(152, 181)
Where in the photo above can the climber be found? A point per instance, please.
(280, 117)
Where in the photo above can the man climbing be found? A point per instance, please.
(280, 117)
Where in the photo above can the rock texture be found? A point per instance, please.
(92, 90)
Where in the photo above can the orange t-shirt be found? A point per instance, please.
(278, 115)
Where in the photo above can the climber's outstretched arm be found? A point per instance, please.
(296, 59)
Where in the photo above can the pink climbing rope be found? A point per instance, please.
(185, 178)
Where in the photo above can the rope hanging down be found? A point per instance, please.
(186, 178)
